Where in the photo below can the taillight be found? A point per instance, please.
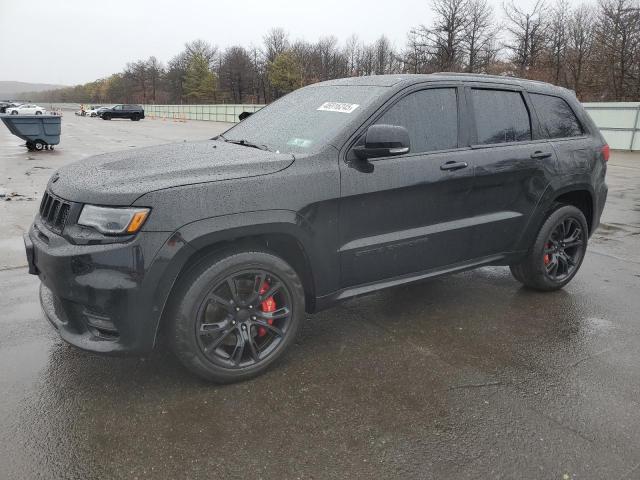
(606, 151)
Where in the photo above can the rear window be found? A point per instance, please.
(556, 115)
(501, 116)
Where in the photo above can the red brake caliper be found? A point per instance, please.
(267, 306)
(547, 258)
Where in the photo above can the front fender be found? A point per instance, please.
(185, 243)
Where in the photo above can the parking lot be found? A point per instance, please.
(468, 376)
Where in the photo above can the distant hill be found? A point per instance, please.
(10, 90)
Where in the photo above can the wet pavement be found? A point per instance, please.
(468, 376)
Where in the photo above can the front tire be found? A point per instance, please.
(235, 315)
(557, 253)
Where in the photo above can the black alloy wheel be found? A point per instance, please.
(234, 314)
(557, 253)
(564, 249)
(243, 319)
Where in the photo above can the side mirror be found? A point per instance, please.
(384, 141)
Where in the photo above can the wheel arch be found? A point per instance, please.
(583, 200)
(283, 234)
(580, 195)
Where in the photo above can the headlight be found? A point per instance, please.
(113, 221)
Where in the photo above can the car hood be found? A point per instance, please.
(119, 178)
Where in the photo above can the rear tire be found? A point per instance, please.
(38, 113)
(218, 322)
(135, 118)
(556, 256)
(38, 145)
(14, 112)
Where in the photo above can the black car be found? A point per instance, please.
(335, 190)
(132, 112)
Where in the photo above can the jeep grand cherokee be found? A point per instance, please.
(337, 189)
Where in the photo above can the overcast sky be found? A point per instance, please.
(75, 41)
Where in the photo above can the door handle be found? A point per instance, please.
(453, 165)
(540, 154)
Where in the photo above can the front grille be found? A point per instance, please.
(54, 212)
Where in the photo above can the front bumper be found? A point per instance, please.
(100, 298)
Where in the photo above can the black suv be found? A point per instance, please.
(337, 189)
(132, 112)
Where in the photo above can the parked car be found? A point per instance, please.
(132, 112)
(26, 109)
(7, 104)
(338, 189)
(92, 111)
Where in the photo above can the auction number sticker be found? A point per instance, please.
(338, 107)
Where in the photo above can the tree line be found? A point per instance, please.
(592, 48)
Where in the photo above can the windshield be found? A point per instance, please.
(304, 120)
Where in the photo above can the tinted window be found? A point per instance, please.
(501, 116)
(556, 115)
(430, 116)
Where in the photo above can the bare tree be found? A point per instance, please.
(580, 42)
(528, 35)
(276, 41)
(414, 57)
(617, 41)
(352, 52)
(557, 35)
(236, 74)
(385, 56)
(201, 47)
(443, 40)
(480, 32)
(155, 71)
(138, 74)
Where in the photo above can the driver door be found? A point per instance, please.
(409, 213)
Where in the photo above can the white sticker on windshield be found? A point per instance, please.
(338, 107)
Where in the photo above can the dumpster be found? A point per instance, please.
(38, 131)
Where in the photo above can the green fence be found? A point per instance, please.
(212, 113)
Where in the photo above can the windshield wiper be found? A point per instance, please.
(246, 143)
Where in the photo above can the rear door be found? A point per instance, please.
(409, 213)
(513, 164)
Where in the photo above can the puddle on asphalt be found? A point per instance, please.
(597, 324)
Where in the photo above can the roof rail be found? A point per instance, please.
(485, 75)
